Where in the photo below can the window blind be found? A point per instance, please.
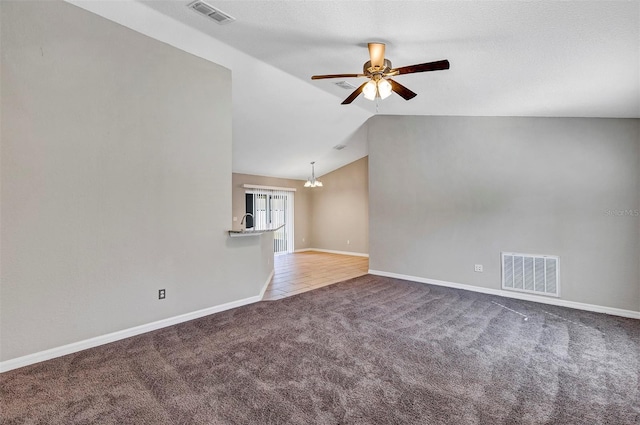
(273, 208)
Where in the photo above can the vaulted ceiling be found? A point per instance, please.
(508, 58)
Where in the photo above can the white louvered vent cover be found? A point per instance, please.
(211, 12)
(345, 85)
(537, 274)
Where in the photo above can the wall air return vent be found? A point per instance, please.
(211, 12)
(535, 274)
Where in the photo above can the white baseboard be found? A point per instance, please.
(331, 251)
(266, 284)
(52, 353)
(516, 295)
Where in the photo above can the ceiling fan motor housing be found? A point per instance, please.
(369, 70)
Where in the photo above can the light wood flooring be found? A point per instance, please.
(304, 271)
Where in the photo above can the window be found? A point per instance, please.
(271, 207)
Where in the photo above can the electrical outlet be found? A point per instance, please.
(348, 242)
(302, 239)
(162, 294)
(479, 268)
(235, 218)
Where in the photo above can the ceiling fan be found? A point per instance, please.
(379, 71)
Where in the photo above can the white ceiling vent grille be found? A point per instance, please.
(211, 12)
(536, 274)
(345, 85)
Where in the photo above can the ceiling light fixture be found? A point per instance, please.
(384, 88)
(379, 72)
(312, 182)
(377, 87)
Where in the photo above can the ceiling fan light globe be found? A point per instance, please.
(318, 183)
(308, 183)
(370, 90)
(384, 88)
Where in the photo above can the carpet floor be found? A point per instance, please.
(370, 350)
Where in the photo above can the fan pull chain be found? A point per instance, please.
(377, 105)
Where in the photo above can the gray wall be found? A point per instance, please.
(116, 181)
(450, 192)
(340, 209)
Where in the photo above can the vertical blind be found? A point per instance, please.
(274, 208)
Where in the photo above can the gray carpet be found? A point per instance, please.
(370, 350)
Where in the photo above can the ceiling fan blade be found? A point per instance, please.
(376, 53)
(353, 95)
(322, 77)
(423, 67)
(401, 90)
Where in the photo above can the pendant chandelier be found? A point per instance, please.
(312, 182)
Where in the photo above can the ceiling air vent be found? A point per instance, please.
(211, 12)
(339, 147)
(345, 85)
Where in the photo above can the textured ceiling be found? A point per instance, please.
(542, 58)
(508, 58)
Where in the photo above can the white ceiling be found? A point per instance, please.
(508, 58)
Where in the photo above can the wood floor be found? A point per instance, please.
(303, 271)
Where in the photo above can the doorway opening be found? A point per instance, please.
(270, 209)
